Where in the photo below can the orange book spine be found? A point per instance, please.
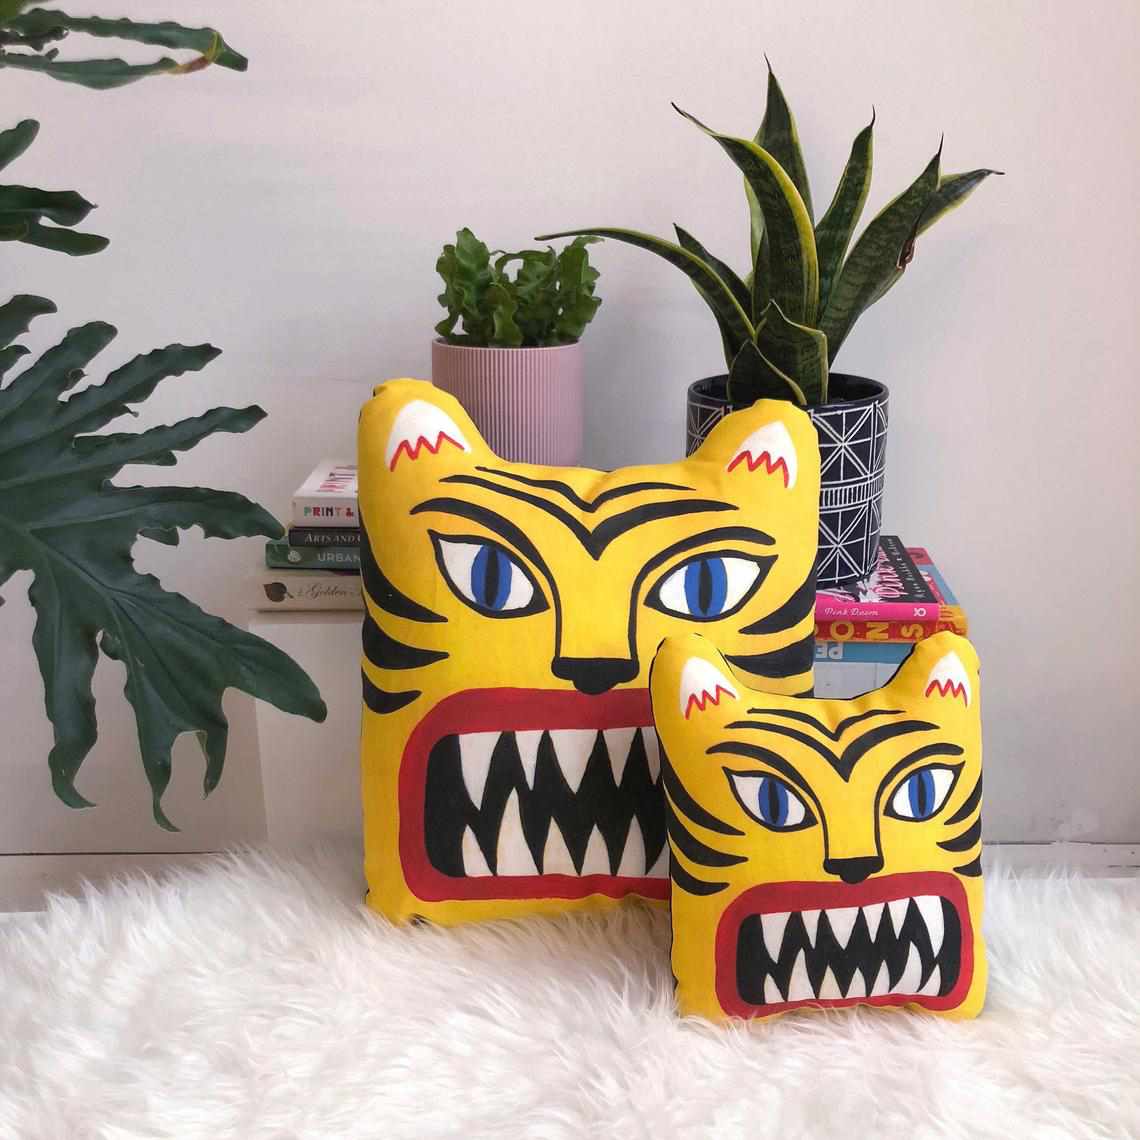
(951, 618)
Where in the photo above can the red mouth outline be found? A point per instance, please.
(779, 897)
(510, 710)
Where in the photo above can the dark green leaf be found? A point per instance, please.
(794, 273)
(64, 207)
(796, 351)
(505, 333)
(752, 377)
(62, 241)
(577, 279)
(723, 270)
(63, 518)
(833, 234)
(778, 136)
(719, 296)
(10, 8)
(879, 257)
(45, 24)
(16, 140)
(952, 191)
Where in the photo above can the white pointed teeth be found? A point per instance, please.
(632, 863)
(933, 983)
(949, 678)
(573, 746)
(475, 750)
(618, 741)
(829, 987)
(811, 925)
(911, 978)
(772, 995)
(857, 988)
(882, 985)
(898, 909)
(773, 926)
(660, 868)
(512, 855)
(873, 915)
(799, 986)
(556, 855)
(527, 745)
(474, 863)
(652, 747)
(930, 907)
(841, 921)
(596, 861)
(703, 684)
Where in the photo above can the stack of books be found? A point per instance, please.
(316, 566)
(864, 631)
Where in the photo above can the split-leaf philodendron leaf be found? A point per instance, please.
(41, 217)
(63, 519)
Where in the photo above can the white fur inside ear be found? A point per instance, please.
(948, 679)
(771, 446)
(419, 425)
(701, 684)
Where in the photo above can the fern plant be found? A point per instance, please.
(783, 322)
(61, 515)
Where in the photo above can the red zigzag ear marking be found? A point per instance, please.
(703, 684)
(770, 447)
(948, 679)
(420, 426)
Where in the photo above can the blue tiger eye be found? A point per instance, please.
(920, 794)
(706, 586)
(773, 802)
(491, 578)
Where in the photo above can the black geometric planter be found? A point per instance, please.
(852, 429)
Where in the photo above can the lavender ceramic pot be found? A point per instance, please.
(526, 402)
(852, 431)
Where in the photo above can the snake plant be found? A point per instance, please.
(784, 321)
(62, 515)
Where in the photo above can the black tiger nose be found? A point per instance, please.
(854, 870)
(594, 675)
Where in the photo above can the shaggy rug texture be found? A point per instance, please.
(254, 996)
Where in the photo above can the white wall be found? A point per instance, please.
(293, 216)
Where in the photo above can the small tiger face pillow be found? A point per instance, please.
(825, 853)
(509, 760)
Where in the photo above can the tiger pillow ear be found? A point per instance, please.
(824, 853)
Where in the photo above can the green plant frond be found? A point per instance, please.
(38, 26)
(953, 190)
(797, 351)
(836, 227)
(41, 217)
(723, 270)
(719, 296)
(878, 258)
(64, 519)
(779, 137)
(793, 268)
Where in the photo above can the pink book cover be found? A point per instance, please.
(894, 591)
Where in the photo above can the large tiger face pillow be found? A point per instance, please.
(509, 763)
(825, 852)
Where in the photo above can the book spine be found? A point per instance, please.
(892, 653)
(950, 618)
(325, 510)
(281, 556)
(323, 536)
(305, 590)
(830, 608)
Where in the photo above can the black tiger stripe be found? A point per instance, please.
(973, 868)
(692, 848)
(790, 614)
(689, 883)
(383, 594)
(568, 492)
(969, 806)
(969, 838)
(788, 661)
(387, 653)
(381, 702)
(818, 725)
(683, 801)
(859, 747)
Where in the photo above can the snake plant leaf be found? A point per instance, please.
(62, 518)
(723, 270)
(953, 190)
(879, 257)
(11, 8)
(24, 210)
(779, 137)
(795, 350)
(719, 297)
(44, 24)
(793, 269)
(836, 227)
(753, 377)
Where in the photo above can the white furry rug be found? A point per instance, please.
(255, 997)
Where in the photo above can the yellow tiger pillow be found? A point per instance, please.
(824, 853)
(509, 763)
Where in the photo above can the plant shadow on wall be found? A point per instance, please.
(62, 517)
